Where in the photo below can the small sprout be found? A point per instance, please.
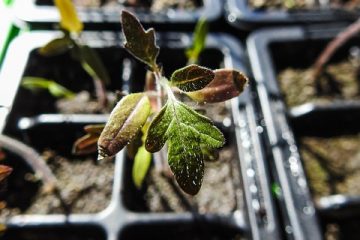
(69, 19)
(191, 137)
(56, 46)
(55, 89)
(125, 122)
(227, 84)
(192, 78)
(91, 63)
(199, 41)
(276, 190)
(139, 42)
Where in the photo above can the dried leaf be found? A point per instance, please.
(225, 85)
(69, 19)
(125, 121)
(5, 171)
(139, 42)
(192, 78)
(56, 46)
(55, 89)
(86, 144)
(185, 130)
(94, 129)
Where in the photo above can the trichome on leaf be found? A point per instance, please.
(191, 137)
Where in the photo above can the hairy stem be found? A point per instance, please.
(333, 45)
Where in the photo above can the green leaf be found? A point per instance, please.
(5, 171)
(226, 84)
(192, 78)
(186, 160)
(139, 42)
(199, 40)
(69, 19)
(185, 130)
(56, 46)
(141, 166)
(92, 63)
(125, 121)
(210, 154)
(35, 83)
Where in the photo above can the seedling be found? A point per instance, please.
(71, 41)
(188, 134)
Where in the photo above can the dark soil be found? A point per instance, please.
(154, 5)
(332, 164)
(340, 82)
(220, 192)
(85, 185)
(303, 4)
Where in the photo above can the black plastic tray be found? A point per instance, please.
(44, 16)
(274, 49)
(258, 220)
(242, 16)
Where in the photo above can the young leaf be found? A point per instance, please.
(141, 166)
(192, 78)
(186, 130)
(92, 63)
(125, 121)
(56, 46)
(199, 41)
(4, 172)
(69, 19)
(34, 83)
(226, 84)
(186, 160)
(139, 42)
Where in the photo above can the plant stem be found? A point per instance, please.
(333, 45)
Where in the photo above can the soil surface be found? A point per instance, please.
(340, 82)
(332, 164)
(304, 4)
(220, 192)
(154, 5)
(85, 185)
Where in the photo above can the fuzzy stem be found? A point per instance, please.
(333, 45)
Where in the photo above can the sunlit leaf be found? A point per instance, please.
(69, 19)
(5, 171)
(139, 42)
(192, 78)
(185, 130)
(141, 166)
(55, 89)
(199, 40)
(92, 63)
(56, 46)
(125, 121)
(226, 84)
